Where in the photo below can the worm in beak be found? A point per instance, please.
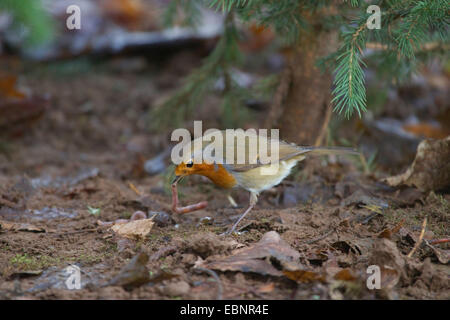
(177, 179)
(186, 209)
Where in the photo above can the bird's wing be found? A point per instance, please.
(289, 151)
(286, 151)
(243, 151)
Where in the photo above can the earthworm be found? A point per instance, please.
(190, 208)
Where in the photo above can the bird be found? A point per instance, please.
(252, 174)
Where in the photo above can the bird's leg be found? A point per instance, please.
(192, 207)
(231, 200)
(253, 200)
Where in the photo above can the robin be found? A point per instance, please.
(251, 174)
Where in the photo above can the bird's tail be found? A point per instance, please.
(330, 150)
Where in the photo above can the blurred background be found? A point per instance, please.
(137, 69)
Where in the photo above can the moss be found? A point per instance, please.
(26, 262)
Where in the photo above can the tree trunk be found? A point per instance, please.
(307, 107)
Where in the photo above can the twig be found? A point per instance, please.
(364, 163)
(326, 234)
(132, 187)
(424, 224)
(165, 251)
(73, 232)
(368, 218)
(425, 47)
(323, 129)
(437, 241)
(216, 277)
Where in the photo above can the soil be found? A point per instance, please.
(83, 162)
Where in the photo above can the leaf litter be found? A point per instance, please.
(296, 244)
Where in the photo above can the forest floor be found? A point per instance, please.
(312, 237)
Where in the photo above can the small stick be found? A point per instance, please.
(364, 163)
(132, 187)
(437, 241)
(72, 232)
(190, 208)
(424, 224)
(216, 277)
(326, 234)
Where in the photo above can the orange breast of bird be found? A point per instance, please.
(217, 174)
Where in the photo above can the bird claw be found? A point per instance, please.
(226, 233)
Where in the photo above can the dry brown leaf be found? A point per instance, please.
(391, 261)
(134, 274)
(137, 229)
(427, 130)
(345, 275)
(406, 196)
(13, 226)
(266, 288)
(25, 274)
(430, 169)
(304, 276)
(442, 255)
(257, 257)
(387, 233)
(245, 265)
(389, 277)
(8, 88)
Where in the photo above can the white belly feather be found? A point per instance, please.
(255, 181)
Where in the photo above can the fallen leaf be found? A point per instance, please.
(136, 229)
(13, 226)
(162, 252)
(25, 274)
(257, 258)
(134, 274)
(389, 277)
(442, 255)
(360, 197)
(18, 115)
(387, 233)
(407, 196)
(8, 88)
(386, 255)
(207, 244)
(427, 130)
(304, 276)
(345, 247)
(245, 265)
(125, 12)
(266, 288)
(345, 275)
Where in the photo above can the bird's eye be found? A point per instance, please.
(189, 164)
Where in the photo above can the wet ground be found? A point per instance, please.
(312, 237)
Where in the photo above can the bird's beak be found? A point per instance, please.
(177, 179)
